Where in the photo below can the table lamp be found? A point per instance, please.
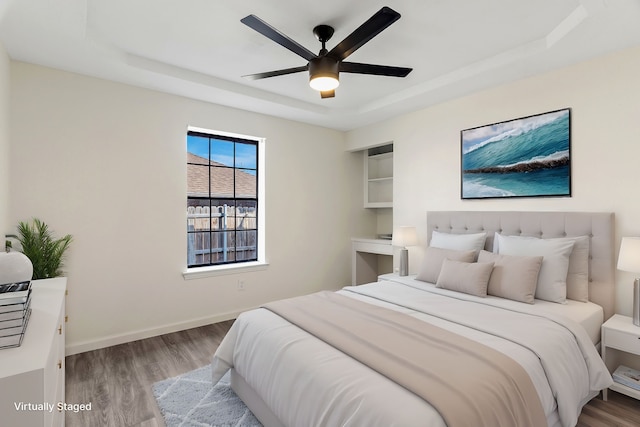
(629, 260)
(403, 237)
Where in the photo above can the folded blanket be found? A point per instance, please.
(467, 382)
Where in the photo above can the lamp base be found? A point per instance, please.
(404, 262)
(636, 302)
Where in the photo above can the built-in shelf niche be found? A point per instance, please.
(378, 175)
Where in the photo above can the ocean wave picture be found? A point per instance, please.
(525, 157)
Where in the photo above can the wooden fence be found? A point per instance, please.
(224, 234)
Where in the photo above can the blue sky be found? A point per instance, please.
(222, 151)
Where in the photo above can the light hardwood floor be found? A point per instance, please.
(117, 381)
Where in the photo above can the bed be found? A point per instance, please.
(288, 377)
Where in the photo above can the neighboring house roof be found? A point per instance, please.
(222, 179)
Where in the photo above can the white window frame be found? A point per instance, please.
(261, 263)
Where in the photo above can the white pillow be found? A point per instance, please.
(458, 242)
(552, 280)
(578, 272)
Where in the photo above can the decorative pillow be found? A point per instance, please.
(513, 277)
(470, 278)
(432, 263)
(578, 273)
(552, 279)
(459, 242)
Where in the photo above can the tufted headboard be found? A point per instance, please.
(597, 225)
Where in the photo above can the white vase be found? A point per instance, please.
(15, 267)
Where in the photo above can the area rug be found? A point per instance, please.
(191, 400)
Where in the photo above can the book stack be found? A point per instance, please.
(627, 376)
(15, 299)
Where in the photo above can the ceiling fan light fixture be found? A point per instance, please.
(323, 84)
(323, 74)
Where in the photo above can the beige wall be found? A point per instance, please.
(604, 97)
(105, 162)
(4, 144)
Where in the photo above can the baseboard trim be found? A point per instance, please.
(111, 340)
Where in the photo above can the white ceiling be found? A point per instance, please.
(200, 49)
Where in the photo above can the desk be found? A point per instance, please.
(370, 258)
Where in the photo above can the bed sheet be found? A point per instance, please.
(588, 314)
(305, 381)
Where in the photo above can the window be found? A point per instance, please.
(222, 199)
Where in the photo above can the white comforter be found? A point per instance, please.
(306, 382)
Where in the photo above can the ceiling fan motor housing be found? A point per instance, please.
(323, 66)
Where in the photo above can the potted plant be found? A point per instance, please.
(42, 248)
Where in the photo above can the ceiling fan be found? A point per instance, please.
(324, 68)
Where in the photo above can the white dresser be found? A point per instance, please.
(33, 374)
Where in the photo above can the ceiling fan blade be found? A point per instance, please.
(268, 31)
(327, 94)
(378, 70)
(365, 32)
(276, 73)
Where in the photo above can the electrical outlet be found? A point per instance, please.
(240, 285)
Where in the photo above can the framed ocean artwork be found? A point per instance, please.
(525, 157)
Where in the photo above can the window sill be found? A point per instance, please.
(219, 270)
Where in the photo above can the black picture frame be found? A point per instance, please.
(524, 157)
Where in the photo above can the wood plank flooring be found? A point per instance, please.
(117, 381)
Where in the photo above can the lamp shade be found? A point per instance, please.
(405, 236)
(629, 258)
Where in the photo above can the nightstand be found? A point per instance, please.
(621, 343)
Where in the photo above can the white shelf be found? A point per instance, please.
(621, 388)
(382, 156)
(378, 177)
(387, 179)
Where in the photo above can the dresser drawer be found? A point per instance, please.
(622, 340)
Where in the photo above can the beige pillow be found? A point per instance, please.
(432, 263)
(513, 277)
(470, 278)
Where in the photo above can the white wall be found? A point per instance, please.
(4, 144)
(604, 97)
(105, 162)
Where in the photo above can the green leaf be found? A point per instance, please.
(42, 248)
